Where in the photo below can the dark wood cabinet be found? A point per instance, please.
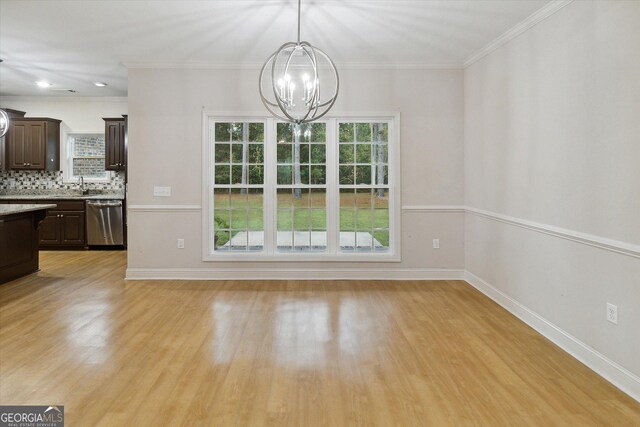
(4, 141)
(72, 226)
(19, 243)
(63, 228)
(34, 144)
(49, 230)
(64, 225)
(115, 136)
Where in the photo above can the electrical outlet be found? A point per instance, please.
(436, 243)
(180, 243)
(612, 313)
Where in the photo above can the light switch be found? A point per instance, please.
(162, 191)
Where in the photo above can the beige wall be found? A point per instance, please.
(165, 139)
(552, 135)
(77, 113)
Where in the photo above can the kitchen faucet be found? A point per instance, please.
(81, 181)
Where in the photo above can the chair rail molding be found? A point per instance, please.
(164, 208)
(611, 245)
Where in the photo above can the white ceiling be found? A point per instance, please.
(75, 43)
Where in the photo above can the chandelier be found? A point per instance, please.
(294, 80)
(4, 123)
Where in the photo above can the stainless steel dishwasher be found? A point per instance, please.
(104, 222)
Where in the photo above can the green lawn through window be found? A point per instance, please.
(239, 212)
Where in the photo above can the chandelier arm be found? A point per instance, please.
(260, 83)
(268, 104)
(335, 95)
(273, 73)
(316, 81)
(5, 118)
(331, 101)
(286, 72)
(277, 115)
(315, 102)
(314, 62)
(304, 46)
(273, 70)
(335, 72)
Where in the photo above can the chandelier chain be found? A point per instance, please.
(299, 21)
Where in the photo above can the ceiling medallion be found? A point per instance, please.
(298, 74)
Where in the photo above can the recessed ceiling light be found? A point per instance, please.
(42, 83)
(100, 84)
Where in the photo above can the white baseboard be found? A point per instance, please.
(292, 274)
(603, 366)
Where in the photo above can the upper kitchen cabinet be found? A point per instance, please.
(4, 158)
(34, 144)
(115, 136)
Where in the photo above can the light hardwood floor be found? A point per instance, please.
(330, 353)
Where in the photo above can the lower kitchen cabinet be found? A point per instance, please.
(63, 228)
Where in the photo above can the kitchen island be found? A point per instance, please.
(19, 239)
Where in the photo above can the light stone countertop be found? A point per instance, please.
(63, 196)
(15, 209)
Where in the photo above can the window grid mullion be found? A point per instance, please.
(270, 202)
(333, 194)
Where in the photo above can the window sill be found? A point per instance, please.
(302, 257)
(106, 180)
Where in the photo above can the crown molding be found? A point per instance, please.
(257, 66)
(533, 19)
(48, 98)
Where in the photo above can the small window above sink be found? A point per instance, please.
(84, 156)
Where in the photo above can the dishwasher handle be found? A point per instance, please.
(105, 204)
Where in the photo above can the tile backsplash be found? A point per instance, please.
(44, 180)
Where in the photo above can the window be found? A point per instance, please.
(85, 156)
(318, 191)
(238, 186)
(301, 187)
(364, 186)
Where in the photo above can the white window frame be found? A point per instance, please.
(67, 153)
(269, 252)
